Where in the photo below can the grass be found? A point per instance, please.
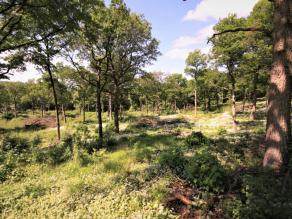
(128, 180)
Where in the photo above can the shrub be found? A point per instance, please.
(14, 143)
(8, 116)
(53, 155)
(173, 159)
(204, 170)
(196, 139)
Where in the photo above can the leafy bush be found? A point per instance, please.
(14, 143)
(173, 159)
(204, 170)
(8, 116)
(222, 131)
(196, 139)
(53, 155)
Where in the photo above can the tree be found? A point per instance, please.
(196, 65)
(133, 48)
(228, 51)
(278, 133)
(60, 15)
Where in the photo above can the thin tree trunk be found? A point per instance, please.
(99, 118)
(254, 97)
(110, 108)
(83, 109)
(196, 103)
(233, 106)
(15, 109)
(42, 109)
(55, 100)
(116, 110)
(278, 133)
(64, 113)
(244, 100)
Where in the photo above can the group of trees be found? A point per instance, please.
(107, 46)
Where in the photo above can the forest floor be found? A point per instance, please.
(146, 171)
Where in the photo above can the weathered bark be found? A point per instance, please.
(254, 96)
(278, 132)
(55, 100)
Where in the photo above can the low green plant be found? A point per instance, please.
(14, 143)
(196, 139)
(204, 171)
(173, 159)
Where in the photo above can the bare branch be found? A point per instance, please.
(242, 29)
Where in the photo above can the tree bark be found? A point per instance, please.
(278, 130)
(55, 100)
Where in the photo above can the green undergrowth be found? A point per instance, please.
(131, 176)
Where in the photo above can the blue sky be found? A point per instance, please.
(180, 26)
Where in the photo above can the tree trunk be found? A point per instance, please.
(196, 102)
(116, 110)
(42, 109)
(83, 109)
(64, 113)
(244, 100)
(278, 130)
(55, 100)
(233, 106)
(15, 109)
(99, 118)
(110, 108)
(254, 96)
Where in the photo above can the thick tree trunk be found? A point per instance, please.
(55, 100)
(99, 118)
(278, 134)
(254, 96)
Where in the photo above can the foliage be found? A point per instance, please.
(196, 139)
(205, 171)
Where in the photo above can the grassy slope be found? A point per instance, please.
(126, 182)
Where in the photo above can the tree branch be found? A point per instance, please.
(242, 29)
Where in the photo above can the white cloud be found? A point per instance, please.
(200, 37)
(178, 54)
(219, 9)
